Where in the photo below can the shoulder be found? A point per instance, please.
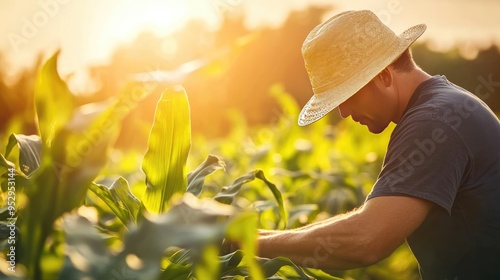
(442, 101)
(440, 111)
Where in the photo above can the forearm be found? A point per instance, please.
(266, 232)
(336, 243)
(360, 238)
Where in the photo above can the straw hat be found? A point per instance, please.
(344, 53)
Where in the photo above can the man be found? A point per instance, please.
(439, 188)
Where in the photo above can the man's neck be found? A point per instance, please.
(406, 84)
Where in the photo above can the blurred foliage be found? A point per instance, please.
(244, 105)
(239, 80)
(53, 227)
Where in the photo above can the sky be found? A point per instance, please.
(88, 31)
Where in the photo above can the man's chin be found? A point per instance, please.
(376, 130)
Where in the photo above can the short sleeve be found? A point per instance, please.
(425, 159)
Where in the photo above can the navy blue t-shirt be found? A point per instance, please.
(446, 149)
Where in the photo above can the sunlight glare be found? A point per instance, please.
(124, 21)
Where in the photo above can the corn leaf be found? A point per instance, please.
(243, 228)
(227, 194)
(168, 147)
(181, 257)
(229, 263)
(85, 248)
(319, 274)
(5, 163)
(71, 159)
(192, 223)
(82, 153)
(208, 267)
(176, 272)
(54, 103)
(272, 266)
(21, 180)
(30, 150)
(120, 200)
(179, 266)
(196, 178)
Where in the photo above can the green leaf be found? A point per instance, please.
(277, 195)
(230, 261)
(87, 253)
(168, 148)
(4, 213)
(196, 178)
(5, 163)
(192, 223)
(227, 194)
(73, 167)
(81, 153)
(179, 266)
(54, 103)
(120, 200)
(243, 228)
(20, 179)
(73, 156)
(181, 257)
(319, 274)
(30, 151)
(176, 272)
(208, 268)
(272, 266)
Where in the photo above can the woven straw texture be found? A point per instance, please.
(344, 53)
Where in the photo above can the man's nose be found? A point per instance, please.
(344, 111)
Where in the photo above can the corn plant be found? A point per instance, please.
(55, 168)
(168, 233)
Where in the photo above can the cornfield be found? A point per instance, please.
(76, 207)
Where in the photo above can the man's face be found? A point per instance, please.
(373, 106)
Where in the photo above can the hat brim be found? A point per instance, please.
(323, 103)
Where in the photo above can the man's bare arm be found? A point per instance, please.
(359, 238)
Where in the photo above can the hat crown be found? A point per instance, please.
(345, 44)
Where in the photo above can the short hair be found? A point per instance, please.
(405, 62)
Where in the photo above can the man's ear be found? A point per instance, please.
(385, 77)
